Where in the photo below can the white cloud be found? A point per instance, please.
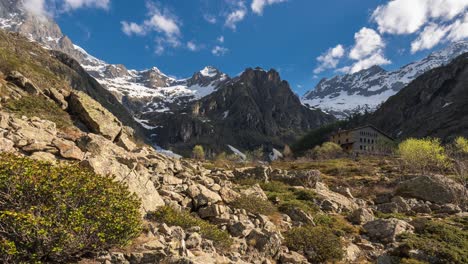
(258, 5)
(210, 18)
(161, 21)
(219, 51)
(132, 28)
(429, 37)
(236, 16)
(163, 24)
(368, 41)
(374, 59)
(74, 4)
(192, 46)
(220, 39)
(459, 29)
(329, 59)
(35, 7)
(408, 16)
(43, 8)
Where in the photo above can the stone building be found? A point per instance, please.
(366, 139)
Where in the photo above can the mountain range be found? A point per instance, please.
(367, 89)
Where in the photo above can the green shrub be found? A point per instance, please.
(461, 145)
(317, 137)
(198, 152)
(325, 245)
(290, 197)
(327, 150)
(337, 223)
(58, 214)
(444, 242)
(185, 220)
(423, 155)
(37, 106)
(254, 205)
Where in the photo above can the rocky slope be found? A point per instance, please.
(255, 109)
(367, 89)
(432, 105)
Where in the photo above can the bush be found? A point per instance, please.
(327, 150)
(58, 214)
(444, 242)
(461, 145)
(324, 244)
(198, 152)
(185, 220)
(254, 205)
(423, 155)
(318, 136)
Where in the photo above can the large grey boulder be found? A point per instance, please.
(265, 241)
(96, 118)
(435, 188)
(386, 230)
(332, 201)
(202, 196)
(106, 158)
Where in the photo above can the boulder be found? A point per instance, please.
(386, 230)
(193, 241)
(212, 211)
(68, 149)
(24, 83)
(261, 173)
(6, 145)
(332, 201)
(292, 257)
(126, 139)
(264, 241)
(202, 196)
(57, 97)
(96, 118)
(361, 216)
(299, 215)
(255, 192)
(106, 158)
(228, 195)
(241, 228)
(435, 188)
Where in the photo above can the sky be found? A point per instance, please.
(305, 40)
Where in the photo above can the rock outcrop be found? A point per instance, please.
(434, 188)
(96, 118)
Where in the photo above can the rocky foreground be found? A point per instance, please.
(212, 198)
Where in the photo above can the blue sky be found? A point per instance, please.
(304, 40)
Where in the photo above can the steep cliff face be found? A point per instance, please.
(435, 104)
(257, 108)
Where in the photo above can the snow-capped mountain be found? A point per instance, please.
(367, 89)
(153, 91)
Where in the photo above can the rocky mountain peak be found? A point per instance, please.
(208, 76)
(259, 75)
